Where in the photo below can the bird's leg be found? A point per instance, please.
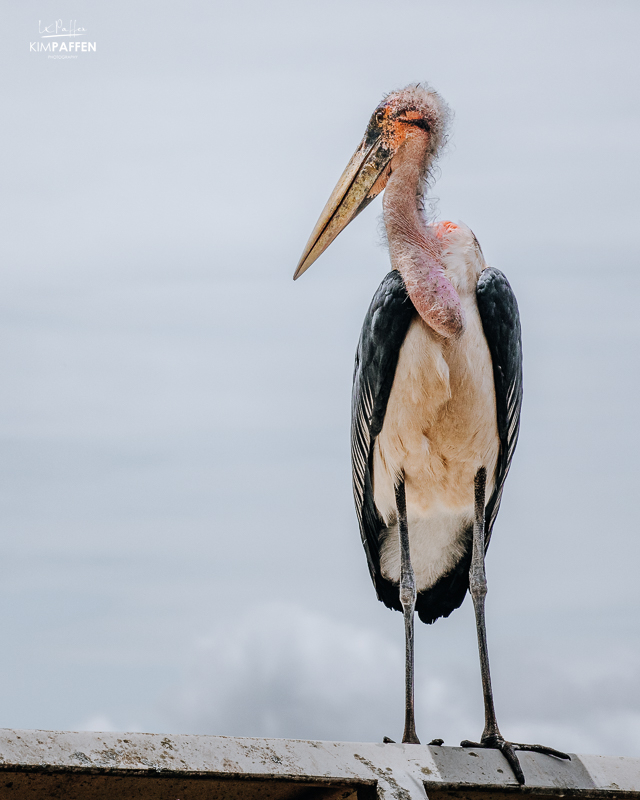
(478, 589)
(491, 736)
(408, 600)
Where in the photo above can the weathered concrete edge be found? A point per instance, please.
(407, 766)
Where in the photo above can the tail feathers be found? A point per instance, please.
(443, 597)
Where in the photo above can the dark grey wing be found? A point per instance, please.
(383, 331)
(501, 324)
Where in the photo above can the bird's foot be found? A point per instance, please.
(388, 740)
(508, 750)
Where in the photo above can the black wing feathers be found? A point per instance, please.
(383, 331)
(501, 324)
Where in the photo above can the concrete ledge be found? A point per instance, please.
(92, 766)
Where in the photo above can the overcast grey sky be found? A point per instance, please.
(178, 546)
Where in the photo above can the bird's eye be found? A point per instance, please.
(379, 116)
(419, 123)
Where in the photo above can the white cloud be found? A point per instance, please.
(582, 701)
(286, 672)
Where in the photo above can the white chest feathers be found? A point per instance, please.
(439, 428)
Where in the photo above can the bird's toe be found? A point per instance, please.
(540, 748)
(508, 751)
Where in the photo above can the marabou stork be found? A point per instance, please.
(437, 390)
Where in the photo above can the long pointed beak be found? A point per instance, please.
(353, 193)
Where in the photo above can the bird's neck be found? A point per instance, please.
(414, 248)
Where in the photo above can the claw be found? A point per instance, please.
(508, 750)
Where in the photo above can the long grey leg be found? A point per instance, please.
(408, 600)
(478, 589)
(491, 736)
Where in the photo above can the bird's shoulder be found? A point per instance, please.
(385, 314)
(496, 297)
(383, 331)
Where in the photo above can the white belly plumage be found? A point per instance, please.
(439, 428)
